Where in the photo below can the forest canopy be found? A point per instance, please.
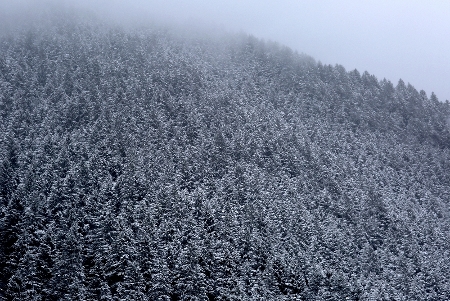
(148, 164)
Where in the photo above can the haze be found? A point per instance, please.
(390, 39)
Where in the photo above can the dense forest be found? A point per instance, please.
(152, 164)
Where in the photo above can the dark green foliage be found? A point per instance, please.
(142, 165)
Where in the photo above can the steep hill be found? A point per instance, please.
(148, 165)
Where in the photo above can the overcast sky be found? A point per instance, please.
(392, 39)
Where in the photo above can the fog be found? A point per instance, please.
(391, 39)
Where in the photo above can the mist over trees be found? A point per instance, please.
(147, 164)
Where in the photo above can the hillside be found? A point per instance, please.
(148, 165)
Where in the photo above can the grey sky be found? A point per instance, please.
(408, 39)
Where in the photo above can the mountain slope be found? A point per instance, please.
(143, 165)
